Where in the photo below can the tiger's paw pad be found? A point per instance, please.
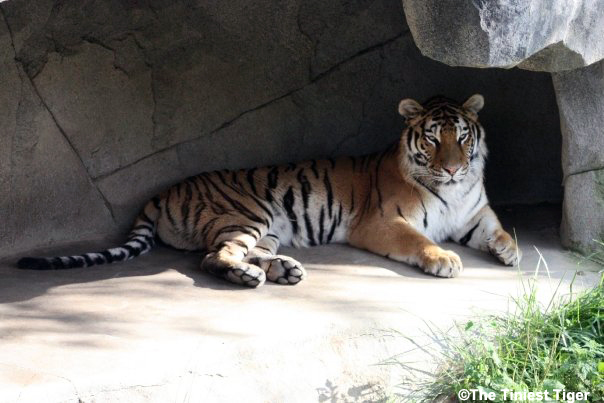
(441, 263)
(504, 248)
(246, 274)
(285, 270)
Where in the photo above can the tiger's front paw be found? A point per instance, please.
(503, 247)
(441, 263)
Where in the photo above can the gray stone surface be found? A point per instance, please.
(47, 194)
(583, 211)
(227, 63)
(11, 84)
(105, 111)
(347, 28)
(128, 190)
(580, 95)
(147, 94)
(155, 329)
(47, 205)
(543, 35)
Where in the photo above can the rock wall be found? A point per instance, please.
(580, 95)
(106, 102)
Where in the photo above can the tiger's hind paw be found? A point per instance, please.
(285, 270)
(247, 275)
(242, 273)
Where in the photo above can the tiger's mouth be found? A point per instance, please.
(443, 178)
(448, 180)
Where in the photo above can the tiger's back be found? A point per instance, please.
(306, 204)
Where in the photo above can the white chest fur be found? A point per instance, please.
(443, 215)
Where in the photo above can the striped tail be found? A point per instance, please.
(140, 240)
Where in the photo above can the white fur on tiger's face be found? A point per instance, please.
(423, 189)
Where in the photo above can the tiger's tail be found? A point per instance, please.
(140, 240)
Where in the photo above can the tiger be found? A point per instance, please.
(425, 188)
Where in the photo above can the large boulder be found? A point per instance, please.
(583, 213)
(580, 95)
(543, 35)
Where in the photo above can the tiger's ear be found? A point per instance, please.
(474, 104)
(410, 109)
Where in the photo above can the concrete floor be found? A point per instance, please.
(157, 330)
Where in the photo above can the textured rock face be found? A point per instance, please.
(583, 213)
(47, 194)
(580, 95)
(543, 35)
(107, 103)
(118, 106)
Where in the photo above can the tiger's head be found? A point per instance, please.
(444, 140)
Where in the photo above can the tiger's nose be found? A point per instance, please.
(451, 169)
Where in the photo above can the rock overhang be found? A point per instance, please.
(542, 35)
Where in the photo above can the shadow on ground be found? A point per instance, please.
(537, 231)
(18, 285)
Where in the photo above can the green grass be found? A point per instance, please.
(534, 347)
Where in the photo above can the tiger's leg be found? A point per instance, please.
(398, 240)
(227, 261)
(484, 232)
(279, 268)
